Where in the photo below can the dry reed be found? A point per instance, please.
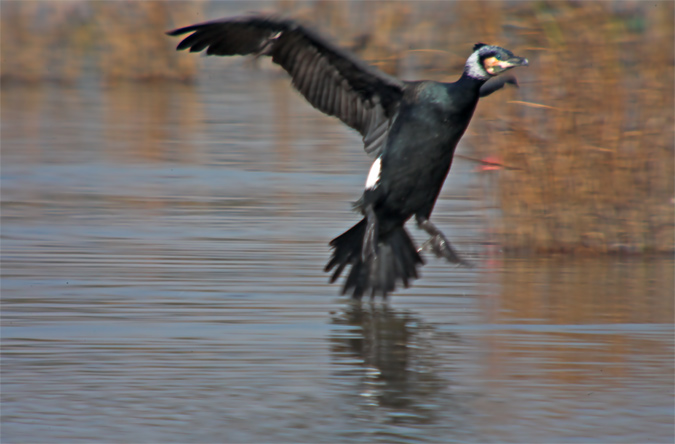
(56, 41)
(593, 134)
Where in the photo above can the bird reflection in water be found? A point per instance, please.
(395, 361)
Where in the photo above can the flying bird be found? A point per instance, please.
(409, 128)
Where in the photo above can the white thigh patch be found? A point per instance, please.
(374, 174)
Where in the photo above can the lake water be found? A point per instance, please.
(162, 257)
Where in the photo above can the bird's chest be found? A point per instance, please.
(429, 134)
(420, 153)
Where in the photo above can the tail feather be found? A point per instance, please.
(396, 260)
(344, 253)
(403, 267)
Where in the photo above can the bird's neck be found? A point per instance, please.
(470, 83)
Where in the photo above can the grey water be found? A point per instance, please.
(162, 281)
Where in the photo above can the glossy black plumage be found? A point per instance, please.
(411, 128)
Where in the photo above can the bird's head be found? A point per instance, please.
(488, 61)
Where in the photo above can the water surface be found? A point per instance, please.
(162, 255)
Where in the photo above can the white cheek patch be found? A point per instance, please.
(474, 68)
(374, 174)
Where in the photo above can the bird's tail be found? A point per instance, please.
(396, 259)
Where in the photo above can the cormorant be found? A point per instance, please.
(410, 128)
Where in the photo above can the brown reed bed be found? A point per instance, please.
(57, 41)
(589, 136)
(592, 132)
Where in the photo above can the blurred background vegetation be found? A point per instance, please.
(583, 151)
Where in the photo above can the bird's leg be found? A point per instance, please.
(438, 243)
(370, 238)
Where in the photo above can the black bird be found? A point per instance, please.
(411, 129)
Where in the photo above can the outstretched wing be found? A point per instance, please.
(331, 79)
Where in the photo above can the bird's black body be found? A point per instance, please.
(432, 118)
(410, 128)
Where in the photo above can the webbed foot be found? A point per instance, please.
(439, 244)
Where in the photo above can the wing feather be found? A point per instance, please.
(331, 79)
